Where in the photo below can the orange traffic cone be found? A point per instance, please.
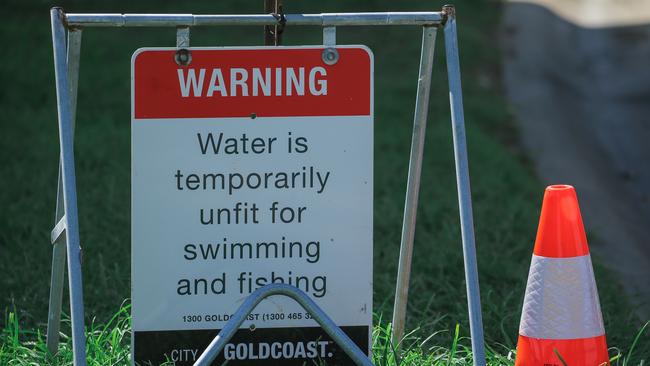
(561, 313)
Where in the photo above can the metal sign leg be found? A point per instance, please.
(65, 117)
(58, 236)
(464, 194)
(413, 185)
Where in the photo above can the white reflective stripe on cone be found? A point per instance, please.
(561, 300)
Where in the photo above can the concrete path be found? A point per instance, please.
(578, 76)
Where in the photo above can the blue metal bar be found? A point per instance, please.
(220, 341)
(464, 192)
(65, 118)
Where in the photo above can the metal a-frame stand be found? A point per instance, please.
(65, 235)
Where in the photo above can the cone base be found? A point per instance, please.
(575, 352)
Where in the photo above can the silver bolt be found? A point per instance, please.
(330, 56)
(183, 57)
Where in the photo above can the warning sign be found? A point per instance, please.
(251, 166)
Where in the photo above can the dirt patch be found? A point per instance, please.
(581, 96)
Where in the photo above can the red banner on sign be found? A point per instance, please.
(267, 82)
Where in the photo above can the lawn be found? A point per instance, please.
(506, 194)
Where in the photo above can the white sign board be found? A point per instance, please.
(251, 166)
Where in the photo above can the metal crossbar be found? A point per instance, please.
(342, 339)
(65, 236)
(192, 20)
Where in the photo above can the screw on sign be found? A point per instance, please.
(183, 57)
(330, 56)
(251, 166)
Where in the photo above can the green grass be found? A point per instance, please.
(108, 344)
(506, 194)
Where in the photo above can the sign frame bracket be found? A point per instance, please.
(66, 43)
